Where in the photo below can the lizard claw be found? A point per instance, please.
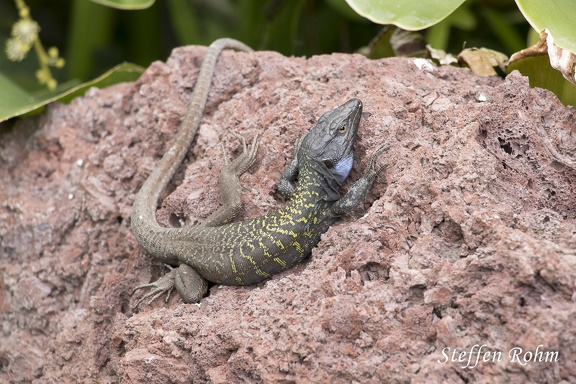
(160, 286)
(247, 157)
(372, 170)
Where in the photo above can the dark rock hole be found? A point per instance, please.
(4, 363)
(373, 271)
(505, 146)
(174, 221)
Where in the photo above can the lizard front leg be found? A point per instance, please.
(287, 183)
(360, 188)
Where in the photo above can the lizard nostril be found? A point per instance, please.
(328, 163)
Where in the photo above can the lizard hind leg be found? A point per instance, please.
(229, 183)
(190, 285)
(246, 158)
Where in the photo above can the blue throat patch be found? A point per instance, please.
(343, 167)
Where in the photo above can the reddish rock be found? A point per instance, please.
(467, 240)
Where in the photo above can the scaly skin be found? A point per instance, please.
(247, 252)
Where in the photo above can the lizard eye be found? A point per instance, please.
(342, 128)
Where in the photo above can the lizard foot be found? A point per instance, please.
(240, 164)
(190, 285)
(372, 170)
(163, 284)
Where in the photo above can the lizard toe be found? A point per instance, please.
(164, 284)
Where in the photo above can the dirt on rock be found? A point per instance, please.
(459, 267)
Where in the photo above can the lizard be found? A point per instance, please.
(247, 252)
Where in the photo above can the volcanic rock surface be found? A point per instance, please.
(465, 244)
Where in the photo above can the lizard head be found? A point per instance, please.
(330, 142)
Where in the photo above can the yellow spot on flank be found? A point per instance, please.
(279, 244)
(239, 280)
(232, 263)
(280, 261)
(250, 259)
(298, 246)
(260, 272)
(265, 251)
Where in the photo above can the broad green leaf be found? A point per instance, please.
(344, 9)
(558, 16)
(275, 25)
(380, 45)
(438, 34)
(16, 101)
(125, 4)
(540, 74)
(12, 98)
(92, 27)
(409, 15)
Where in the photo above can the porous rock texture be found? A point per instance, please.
(465, 243)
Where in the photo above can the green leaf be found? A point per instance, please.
(438, 34)
(283, 26)
(125, 4)
(507, 34)
(409, 15)
(380, 45)
(98, 20)
(12, 98)
(185, 22)
(541, 74)
(267, 25)
(16, 101)
(558, 16)
(344, 9)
